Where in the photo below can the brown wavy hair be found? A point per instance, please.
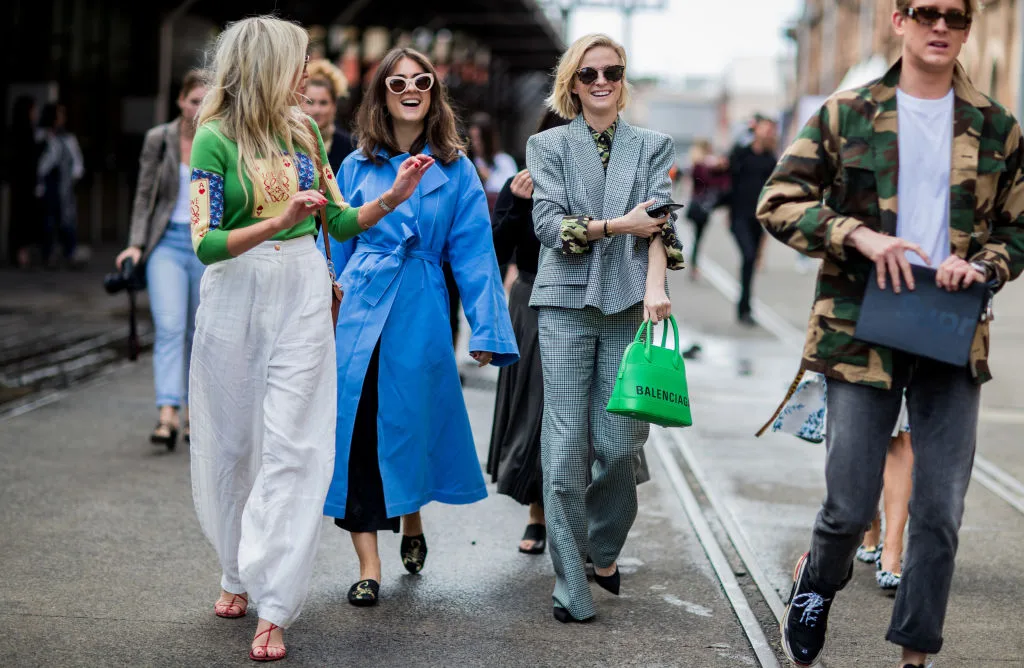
(374, 123)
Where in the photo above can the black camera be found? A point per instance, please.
(131, 279)
(128, 278)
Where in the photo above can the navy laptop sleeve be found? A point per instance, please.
(927, 321)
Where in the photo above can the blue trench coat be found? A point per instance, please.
(395, 292)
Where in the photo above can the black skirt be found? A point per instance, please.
(514, 458)
(365, 509)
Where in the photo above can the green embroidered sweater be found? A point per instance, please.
(222, 199)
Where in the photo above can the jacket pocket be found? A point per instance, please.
(856, 190)
(991, 168)
(557, 269)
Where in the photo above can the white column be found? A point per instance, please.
(1018, 71)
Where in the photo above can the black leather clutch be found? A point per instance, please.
(927, 321)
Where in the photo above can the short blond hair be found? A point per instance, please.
(323, 72)
(970, 6)
(562, 100)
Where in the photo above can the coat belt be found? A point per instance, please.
(389, 261)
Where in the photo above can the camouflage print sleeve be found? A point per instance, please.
(574, 235)
(673, 247)
(791, 206)
(1004, 250)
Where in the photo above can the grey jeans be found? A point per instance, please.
(942, 402)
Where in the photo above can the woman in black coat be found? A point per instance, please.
(514, 458)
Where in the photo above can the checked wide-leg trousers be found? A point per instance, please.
(580, 352)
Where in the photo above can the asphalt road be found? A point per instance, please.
(104, 564)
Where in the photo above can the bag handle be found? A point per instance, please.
(645, 329)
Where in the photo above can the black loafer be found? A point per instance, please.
(414, 553)
(364, 593)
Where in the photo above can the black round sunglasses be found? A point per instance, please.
(588, 75)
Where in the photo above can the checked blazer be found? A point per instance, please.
(569, 180)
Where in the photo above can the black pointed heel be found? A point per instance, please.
(564, 616)
(414, 553)
(538, 533)
(608, 582)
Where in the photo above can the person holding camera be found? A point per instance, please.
(601, 274)
(263, 373)
(160, 247)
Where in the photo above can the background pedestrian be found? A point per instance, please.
(161, 238)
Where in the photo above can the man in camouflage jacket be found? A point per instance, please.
(834, 196)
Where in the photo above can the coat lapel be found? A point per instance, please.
(885, 148)
(167, 170)
(588, 162)
(968, 123)
(431, 181)
(173, 140)
(621, 171)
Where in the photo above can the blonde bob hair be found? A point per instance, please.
(257, 66)
(562, 100)
(326, 74)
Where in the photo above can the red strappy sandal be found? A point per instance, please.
(232, 609)
(265, 648)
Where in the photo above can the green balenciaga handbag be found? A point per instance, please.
(651, 383)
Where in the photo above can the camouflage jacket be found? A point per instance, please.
(841, 172)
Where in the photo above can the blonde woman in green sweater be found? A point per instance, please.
(263, 370)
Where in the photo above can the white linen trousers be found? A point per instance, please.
(262, 410)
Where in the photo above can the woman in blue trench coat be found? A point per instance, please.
(403, 433)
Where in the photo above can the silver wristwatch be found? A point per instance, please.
(384, 205)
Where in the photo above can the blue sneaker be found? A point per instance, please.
(806, 619)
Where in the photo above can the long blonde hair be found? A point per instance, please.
(562, 100)
(252, 92)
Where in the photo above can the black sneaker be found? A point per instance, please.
(806, 619)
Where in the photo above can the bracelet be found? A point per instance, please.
(983, 268)
(384, 205)
(606, 233)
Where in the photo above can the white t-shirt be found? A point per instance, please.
(502, 170)
(925, 135)
(182, 212)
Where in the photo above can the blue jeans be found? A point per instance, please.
(173, 273)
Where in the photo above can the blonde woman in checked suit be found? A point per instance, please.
(601, 274)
